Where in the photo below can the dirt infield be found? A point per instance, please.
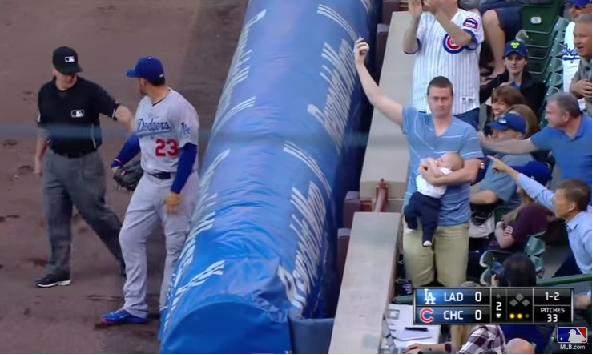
(195, 40)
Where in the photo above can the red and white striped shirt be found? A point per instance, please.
(438, 55)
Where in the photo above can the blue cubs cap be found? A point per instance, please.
(579, 3)
(510, 121)
(539, 172)
(148, 68)
(516, 47)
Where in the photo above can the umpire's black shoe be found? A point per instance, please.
(48, 281)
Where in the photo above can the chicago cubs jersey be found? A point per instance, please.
(163, 129)
(438, 55)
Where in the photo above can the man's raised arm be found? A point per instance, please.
(376, 96)
(411, 42)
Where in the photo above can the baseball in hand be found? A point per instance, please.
(361, 49)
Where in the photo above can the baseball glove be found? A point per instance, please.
(129, 175)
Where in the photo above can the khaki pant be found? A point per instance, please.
(449, 250)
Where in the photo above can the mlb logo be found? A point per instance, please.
(70, 59)
(77, 113)
(570, 335)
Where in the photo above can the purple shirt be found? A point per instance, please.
(533, 219)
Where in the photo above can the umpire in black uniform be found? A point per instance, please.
(73, 175)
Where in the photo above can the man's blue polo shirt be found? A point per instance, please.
(572, 154)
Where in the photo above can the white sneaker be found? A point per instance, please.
(427, 243)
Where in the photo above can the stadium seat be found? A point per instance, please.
(541, 18)
(554, 66)
(561, 24)
(537, 68)
(554, 80)
(541, 53)
(551, 91)
(542, 68)
(539, 43)
(535, 245)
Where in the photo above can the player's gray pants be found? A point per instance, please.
(79, 182)
(145, 212)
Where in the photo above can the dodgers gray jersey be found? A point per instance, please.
(163, 129)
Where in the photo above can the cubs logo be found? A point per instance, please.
(471, 23)
(450, 46)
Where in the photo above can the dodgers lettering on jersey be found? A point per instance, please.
(163, 130)
(438, 55)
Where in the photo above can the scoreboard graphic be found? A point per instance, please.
(503, 305)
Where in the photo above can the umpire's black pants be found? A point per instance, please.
(426, 209)
(78, 182)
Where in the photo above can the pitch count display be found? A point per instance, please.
(504, 305)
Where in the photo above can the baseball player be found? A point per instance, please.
(166, 135)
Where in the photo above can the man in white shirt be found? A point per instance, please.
(570, 55)
(446, 41)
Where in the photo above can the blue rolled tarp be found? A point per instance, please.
(263, 237)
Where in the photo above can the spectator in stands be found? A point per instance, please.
(430, 134)
(519, 346)
(580, 85)
(528, 218)
(517, 75)
(571, 203)
(532, 128)
(502, 20)
(529, 116)
(519, 271)
(446, 41)
(570, 54)
(425, 203)
(568, 136)
(502, 99)
(496, 189)
(583, 300)
(467, 339)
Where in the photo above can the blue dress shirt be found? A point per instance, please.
(578, 228)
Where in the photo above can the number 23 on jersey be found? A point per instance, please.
(166, 148)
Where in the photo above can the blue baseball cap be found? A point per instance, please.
(539, 172)
(579, 3)
(510, 121)
(516, 47)
(148, 68)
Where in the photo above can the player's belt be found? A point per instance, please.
(162, 175)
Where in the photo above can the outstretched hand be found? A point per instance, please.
(499, 166)
(361, 49)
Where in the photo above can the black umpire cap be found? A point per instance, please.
(65, 60)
